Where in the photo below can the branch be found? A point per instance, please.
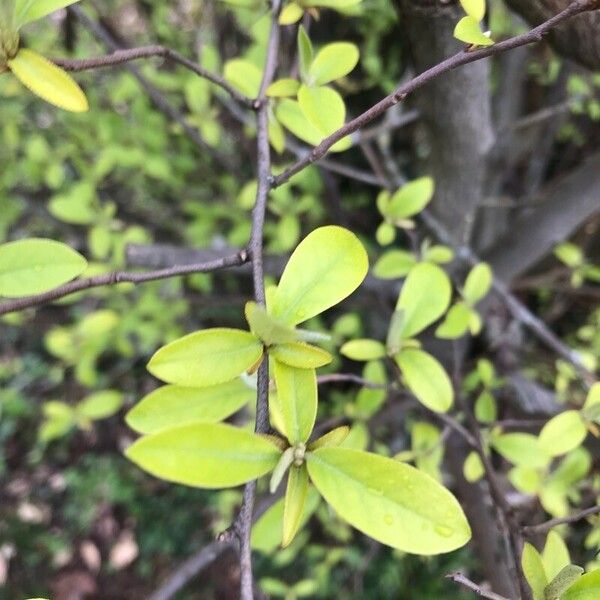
(121, 277)
(462, 58)
(466, 582)
(119, 57)
(530, 530)
(351, 378)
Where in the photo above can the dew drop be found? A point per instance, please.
(443, 530)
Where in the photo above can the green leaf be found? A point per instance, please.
(563, 433)
(333, 62)
(46, 80)
(520, 449)
(295, 499)
(428, 448)
(478, 283)
(486, 410)
(323, 107)
(369, 400)
(297, 398)
(267, 531)
(587, 587)
(291, 14)
(555, 555)
(567, 576)
(266, 327)
(35, 266)
(424, 298)
(438, 254)
(389, 501)
(526, 479)
(206, 357)
(305, 52)
(474, 8)
(426, 379)
(394, 264)
(411, 198)
(333, 438)
(173, 405)
(244, 76)
(207, 455)
(100, 405)
(291, 116)
(363, 349)
(468, 30)
(473, 467)
(282, 88)
(456, 323)
(301, 355)
(31, 10)
(531, 561)
(569, 254)
(335, 4)
(326, 267)
(385, 234)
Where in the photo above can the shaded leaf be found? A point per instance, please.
(295, 499)
(266, 327)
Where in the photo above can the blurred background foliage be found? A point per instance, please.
(74, 514)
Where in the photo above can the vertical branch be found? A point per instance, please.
(255, 251)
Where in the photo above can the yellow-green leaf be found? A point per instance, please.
(410, 199)
(456, 323)
(332, 438)
(206, 357)
(521, 449)
(478, 283)
(567, 576)
(423, 299)
(282, 88)
(426, 379)
(266, 327)
(323, 107)
(301, 355)
(326, 267)
(363, 349)
(244, 76)
(100, 405)
(473, 467)
(31, 10)
(563, 433)
(468, 30)
(392, 502)
(474, 8)
(555, 555)
(394, 263)
(291, 14)
(295, 499)
(297, 399)
(173, 405)
(34, 266)
(206, 455)
(531, 561)
(48, 81)
(587, 587)
(332, 62)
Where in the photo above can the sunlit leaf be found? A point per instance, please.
(333, 62)
(469, 31)
(411, 198)
(363, 349)
(391, 502)
(282, 88)
(473, 467)
(244, 76)
(206, 357)
(474, 8)
(301, 355)
(569, 254)
(555, 555)
(173, 405)
(297, 398)
(34, 266)
(290, 14)
(521, 449)
(100, 405)
(394, 264)
(295, 499)
(207, 455)
(426, 379)
(456, 323)
(333, 438)
(323, 107)
(326, 267)
(424, 298)
(563, 433)
(48, 81)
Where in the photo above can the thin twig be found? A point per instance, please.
(119, 57)
(116, 277)
(351, 378)
(461, 579)
(459, 59)
(530, 530)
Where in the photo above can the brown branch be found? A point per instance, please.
(530, 530)
(462, 58)
(350, 378)
(119, 57)
(461, 579)
(121, 277)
